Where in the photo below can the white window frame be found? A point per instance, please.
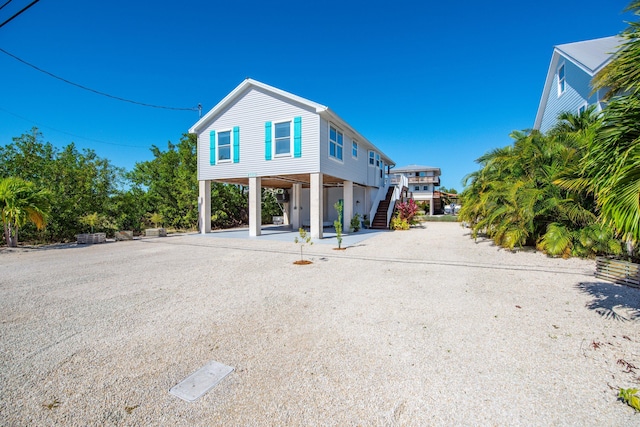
(583, 107)
(562, 83)
(275, 143)
(338, 132)
(377, 160)
(230, 159)
(354, 149)
(372, 158)
(416, 188)
(425, 188)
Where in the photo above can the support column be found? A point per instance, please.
(347, 212)
(204, 206)
(255, 206)
(431, 206)
(296, 206)
(317, 199)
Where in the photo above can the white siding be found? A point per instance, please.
(250, 112)
(349, 169)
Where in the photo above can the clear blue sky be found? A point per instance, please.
(429, 83)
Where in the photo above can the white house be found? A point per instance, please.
(568, 83)
(260, 136)
(422, 183)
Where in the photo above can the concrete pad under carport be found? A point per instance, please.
(284, 233)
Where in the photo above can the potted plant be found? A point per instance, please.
(157, 219)
(91, 220)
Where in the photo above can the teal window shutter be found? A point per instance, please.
(297, 137)
(212, 147)
(267, 141)
(236, 144)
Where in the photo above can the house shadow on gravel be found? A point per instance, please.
(613, 301)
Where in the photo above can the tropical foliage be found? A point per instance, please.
(86, 192)
(20, 203)
(576, 189)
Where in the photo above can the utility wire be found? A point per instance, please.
(17, 14)
(198, 108)
(2, 7)
(69, 133)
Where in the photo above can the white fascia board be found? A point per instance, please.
(241, 88)
(329, 115)
(551, 72)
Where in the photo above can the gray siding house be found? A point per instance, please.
(568, 83)
(263, 137)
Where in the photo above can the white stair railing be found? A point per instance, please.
(397, 194)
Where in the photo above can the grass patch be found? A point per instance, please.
(439, 218)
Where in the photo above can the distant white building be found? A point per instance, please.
(422, 183)
(568, 83)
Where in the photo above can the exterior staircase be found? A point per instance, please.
(380, 219)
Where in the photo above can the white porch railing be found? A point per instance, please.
(397, 194)
(400, 181)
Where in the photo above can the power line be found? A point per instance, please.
(71, 134)
(198, 108)
(2, 7)
(17, 14)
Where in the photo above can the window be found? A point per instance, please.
(354, 149)
(282, 133)
(425, 188)
(335, 143)
(416, 188)
(377, 160)
(583, 108)
(561, 80)
(372, 157)
(224, 146)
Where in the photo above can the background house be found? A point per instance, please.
(568, 83)
(422, 183)
(263, 137)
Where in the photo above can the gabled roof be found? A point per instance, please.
(589, 55)
(320, 109)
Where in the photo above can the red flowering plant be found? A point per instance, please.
(405, 211)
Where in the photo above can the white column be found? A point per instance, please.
(317, 199)
(204, 206)
(296, 206)
(347, 213)
(255, 206)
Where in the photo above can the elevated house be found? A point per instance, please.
(262, 137)
(568, 83)
(421, 184)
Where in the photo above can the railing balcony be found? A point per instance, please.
(424, 180)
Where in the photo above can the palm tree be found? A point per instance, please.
(611, 168)
(20, 203)
(622, 74)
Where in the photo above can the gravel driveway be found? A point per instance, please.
(423, 327)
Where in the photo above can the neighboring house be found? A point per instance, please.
(263, 137)
(422, 183)
(568, 83)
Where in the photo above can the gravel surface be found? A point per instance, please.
(422, 327)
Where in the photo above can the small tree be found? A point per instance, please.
(303, 240)
(90, 220)
(21, 202)
(156, 218)
(337, 224)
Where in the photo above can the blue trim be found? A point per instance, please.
(212, 147)
(267, 140)
(297, 137)
(236, 144)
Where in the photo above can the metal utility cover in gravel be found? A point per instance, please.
(201, 381)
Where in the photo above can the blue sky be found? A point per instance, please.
(436, 84)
